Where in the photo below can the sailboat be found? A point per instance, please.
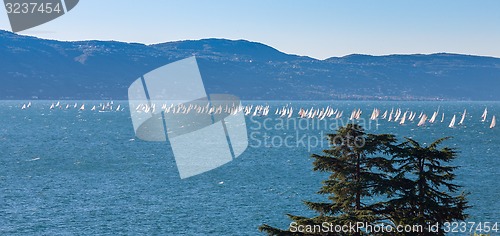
(398, 114)
(353, 114)
(422, 120)
(82, 107)
(331, 112)
(485, 114)
(463, 117)
(402, 122)
(24, 107)
(358, 113)
(452, 123)
(442, 118)
(374, 114)
(493, 122)
(433, 117)
(413, 117)
(384, 115)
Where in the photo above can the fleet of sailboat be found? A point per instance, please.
(399, 115)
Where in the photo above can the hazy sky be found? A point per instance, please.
(314, 28)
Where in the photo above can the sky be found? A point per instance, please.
(315, 28)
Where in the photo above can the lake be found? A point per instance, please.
(65, 171)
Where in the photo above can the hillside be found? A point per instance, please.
(46, 69)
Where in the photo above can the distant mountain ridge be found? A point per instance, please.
(33, 68)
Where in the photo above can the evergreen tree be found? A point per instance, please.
(358, 165)
(424, 186)
(414, 185)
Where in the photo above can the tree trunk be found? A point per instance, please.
(358, 189)
(421, 191)
(358, 180)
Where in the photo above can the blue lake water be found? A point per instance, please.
(84, 172)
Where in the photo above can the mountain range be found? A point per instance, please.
(34, 68)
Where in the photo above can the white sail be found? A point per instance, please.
(82, 107)
(384, 115)
(358, 113)
(422, 120)
(315, 114)
(321, 115)
(442, 118)
(485, 114)
(493, 122)
(403, 119)
(353, 114)
(452, 123)
(284, 111)
(328, 112)
(331, 113)
(398, 114)
(339, 115)
(463, 117)
(24, 107)
(433, 118)
(413, 116)
(375, 114)
(29, 105)
(52, 106)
